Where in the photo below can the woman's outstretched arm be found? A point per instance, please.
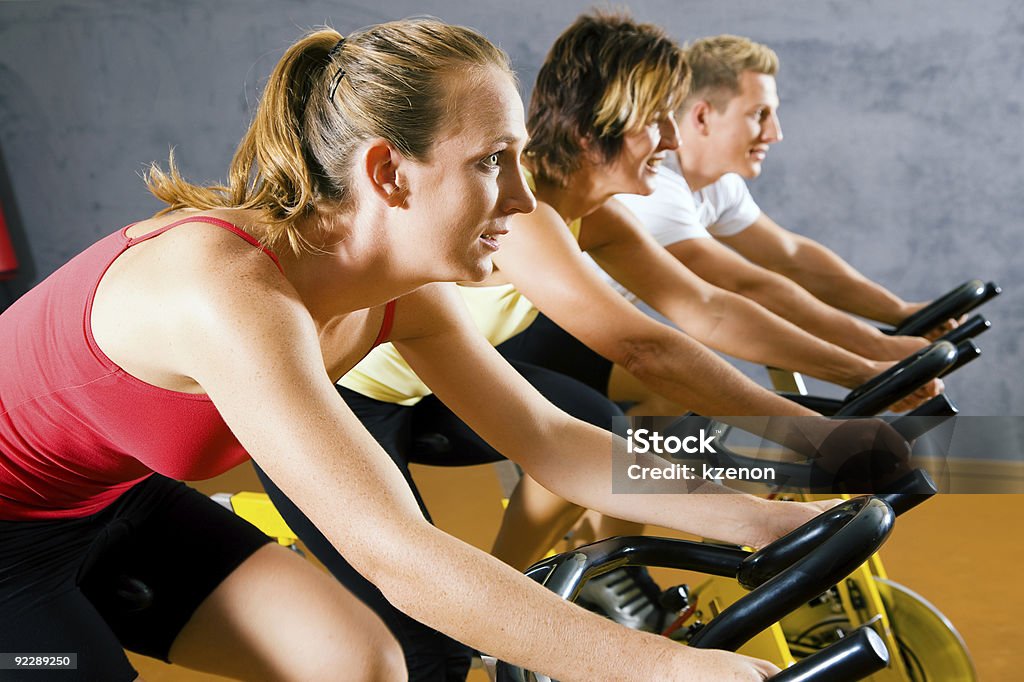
(255, 350)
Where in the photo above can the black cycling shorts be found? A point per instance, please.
(128, 577)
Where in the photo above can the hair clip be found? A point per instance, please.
(341, 72)
(334, 82)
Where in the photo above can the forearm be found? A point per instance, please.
(534, 629)
(590, 458)
(682, 370)
(744, 329)
(837, 283)
(794, 303)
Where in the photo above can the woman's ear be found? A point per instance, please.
(587, 148)
(381, 167)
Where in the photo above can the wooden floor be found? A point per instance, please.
(961, 552)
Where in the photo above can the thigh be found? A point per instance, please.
(164, 552)
(64, 623)
(278, 617)
(42, 611)
(441, 438)
(545, 344)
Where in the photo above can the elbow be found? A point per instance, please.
(385, 558)
(642, 357)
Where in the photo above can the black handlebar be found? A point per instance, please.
(787, 573)
(897, 382)
(966, 351)
(975, 325)
(854, 657)
(950, 305)
(870, 516)
(900, 380)
(909, 491)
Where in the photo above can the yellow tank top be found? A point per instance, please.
(500, 312)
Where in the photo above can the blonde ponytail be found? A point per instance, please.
(322, 100)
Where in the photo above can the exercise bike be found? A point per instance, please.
(782, 577)
(924, 645)
(928, 645)
(827, 636)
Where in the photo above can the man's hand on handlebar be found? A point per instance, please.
(935, 332)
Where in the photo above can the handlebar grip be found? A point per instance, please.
(909, 491)
(966, 351)
(859, 522)
(900, 380)
(952, 304)
(912, 425)
(795, 573)
(854, 657)
(977, 324)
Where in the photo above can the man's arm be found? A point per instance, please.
(719, 265)
(818, 270)
(725, 321)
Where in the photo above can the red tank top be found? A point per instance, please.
(76, 430)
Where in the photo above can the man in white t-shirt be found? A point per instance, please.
(707, 219)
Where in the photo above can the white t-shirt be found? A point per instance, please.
(673, 213)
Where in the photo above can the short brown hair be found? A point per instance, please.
(716, 64)
(322, 100)
(606, 75)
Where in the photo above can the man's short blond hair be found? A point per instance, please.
(716, 64)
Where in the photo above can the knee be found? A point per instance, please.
(377, 660)
(387, 663)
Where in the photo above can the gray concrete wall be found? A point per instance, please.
(902, 122)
